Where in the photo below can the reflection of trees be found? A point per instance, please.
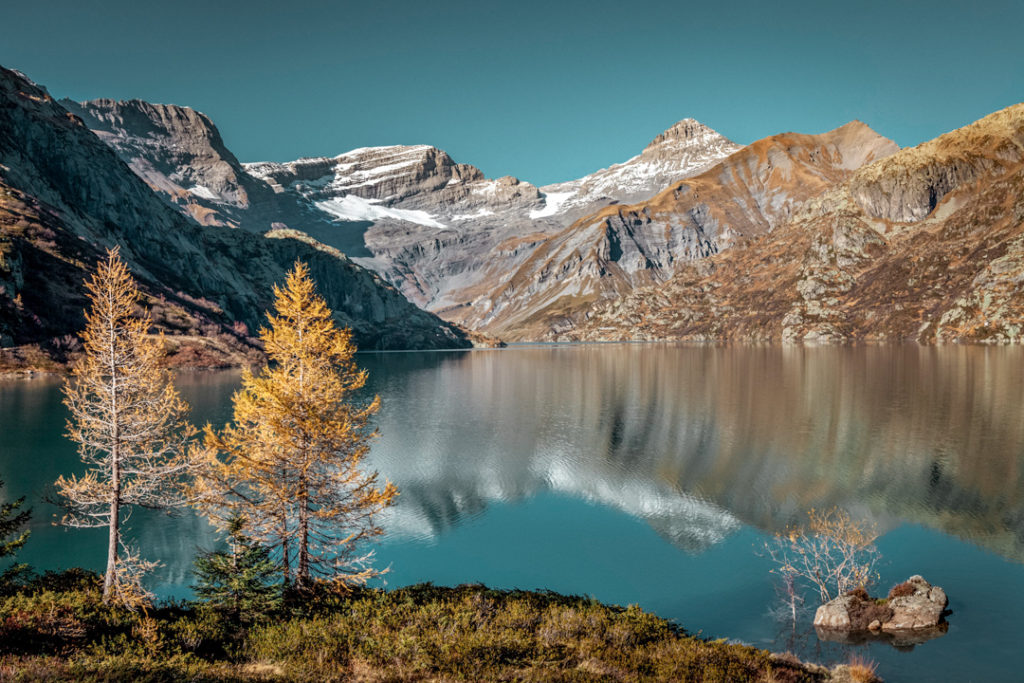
(687, 438)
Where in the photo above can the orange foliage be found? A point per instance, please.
(290, 465)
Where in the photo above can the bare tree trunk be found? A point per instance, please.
(303, 581)
(303, 534)
(114, 527)
(115, 463)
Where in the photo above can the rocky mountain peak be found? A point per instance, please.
(686, 149)
(685, 131)
(176, 150)
(138, 117)
(389, 173)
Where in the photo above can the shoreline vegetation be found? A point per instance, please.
(55, 627)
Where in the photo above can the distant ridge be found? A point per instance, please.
(438, 230)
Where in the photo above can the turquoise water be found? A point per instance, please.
(652, 475)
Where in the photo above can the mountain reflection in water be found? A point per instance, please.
(698, 440)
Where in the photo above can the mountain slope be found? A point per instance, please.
(179, 153)
(65, 195)
(683, 150)
(438, 230)
(926, 245)
(619, 248)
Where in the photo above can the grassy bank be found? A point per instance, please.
(55, 628)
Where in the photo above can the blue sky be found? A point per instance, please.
(545, 91)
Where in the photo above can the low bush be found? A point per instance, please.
(902, 590)
(865, 609)
(862, 670)
(860, 592)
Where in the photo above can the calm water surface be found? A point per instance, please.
(652, 475)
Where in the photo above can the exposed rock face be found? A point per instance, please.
(178, 152)
(65, 195)
(841, 269)
(907, 188)
(620, 248)
(380, 173)
(921, 609)
(440, 231)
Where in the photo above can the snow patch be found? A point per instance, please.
(470, 216)
(553, 201)
(353, 208)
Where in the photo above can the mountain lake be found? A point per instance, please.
(653, 474)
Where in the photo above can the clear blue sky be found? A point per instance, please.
(545, 91)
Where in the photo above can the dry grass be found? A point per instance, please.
(862, 669)
(902, 590)
(57, 629)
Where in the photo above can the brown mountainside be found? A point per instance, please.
(926, 245)
(619, 248)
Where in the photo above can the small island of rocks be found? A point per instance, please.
(913, 612)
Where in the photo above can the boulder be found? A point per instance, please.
(835, 614)
(922, 609)
(916, 605)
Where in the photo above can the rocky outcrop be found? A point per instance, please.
(180, 154)
(618, 249)
(381, 173)
(840, 269)
(914, 604)
(65, 196)
(908, 187)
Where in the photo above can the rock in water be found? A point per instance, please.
(836, 613)
(922, 608)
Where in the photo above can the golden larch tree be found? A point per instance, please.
(290, 465)
(128, 421)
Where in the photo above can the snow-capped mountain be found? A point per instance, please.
(65, 196)
(440, 231)
(687, 148)
(380, 183)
